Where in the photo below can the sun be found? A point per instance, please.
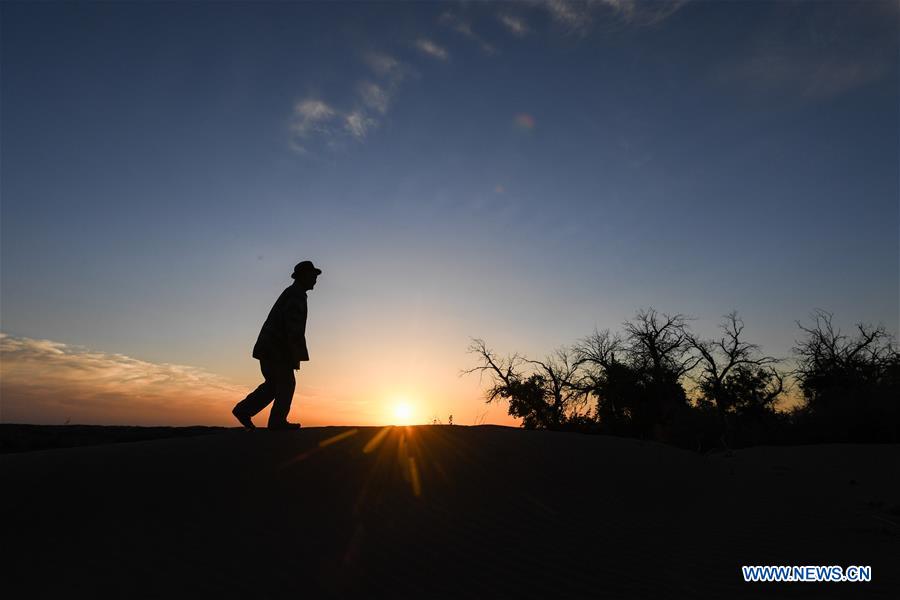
(403, 413)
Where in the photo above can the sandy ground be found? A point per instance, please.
(439, 511)
(27, 438)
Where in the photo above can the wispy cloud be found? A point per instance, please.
(49, 382)
(804, 54)
(383, 65)
(811, 77)
(641, 12)
(312, 117)
(428, 47)
(358, 124)
(464, 28)
(316, 122)
(374, 96)
(573, 15)
(516, 25)
(580, 16)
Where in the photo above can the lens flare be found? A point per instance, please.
(524, 121)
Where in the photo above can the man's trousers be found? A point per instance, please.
(278, 386)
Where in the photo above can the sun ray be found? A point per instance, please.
(337, 438)
(376, 440)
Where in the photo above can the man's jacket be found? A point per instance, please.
(283, 336)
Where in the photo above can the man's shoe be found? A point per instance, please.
(243, 419)
(286, 426)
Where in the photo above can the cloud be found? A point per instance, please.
(384, 65)
(515, 25)
(314, 111)
(811, 77)
(374, 96)
(464, 28)
(312, 117)
(811, 52)
(638, 12)
(428, 47)
(50, 382)
(358, 124)
(574, 16)
(315, 122)
(579, 16)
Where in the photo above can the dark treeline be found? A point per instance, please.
(655, 379)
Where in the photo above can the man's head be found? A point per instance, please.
(305, 274)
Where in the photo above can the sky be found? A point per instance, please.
(519, 172)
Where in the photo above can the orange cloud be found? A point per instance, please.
(42, 381)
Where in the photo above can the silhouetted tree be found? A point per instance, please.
(603, 373)
(658, 353)
(752, 390)
(850, 384)
(541, 393)
(566, 397)
(633, 384)
(734, 376)
(636, 380)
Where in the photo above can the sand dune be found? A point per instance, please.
(463, 512)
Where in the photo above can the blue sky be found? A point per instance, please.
(521, 172)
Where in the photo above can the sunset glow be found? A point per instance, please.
(403, 413)
(445, 299)
(522, 173)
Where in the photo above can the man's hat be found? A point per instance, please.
(304, 267)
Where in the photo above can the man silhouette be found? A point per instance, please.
(280, 348)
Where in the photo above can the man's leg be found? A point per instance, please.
(282, 378)
(256, 400)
